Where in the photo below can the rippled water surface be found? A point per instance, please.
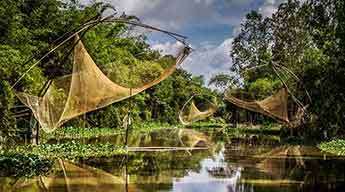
(199, 161)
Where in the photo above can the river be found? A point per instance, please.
(195, 161)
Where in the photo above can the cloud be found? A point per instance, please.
(210, 59)
(201, 20)
(207, 59)
(269, 7)
(178, 14)
(168, 48)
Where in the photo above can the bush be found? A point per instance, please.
(6, 120)
(335, 147)
(19, 165)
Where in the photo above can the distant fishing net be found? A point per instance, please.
(90, 87)
(275, 106)
(191, 113)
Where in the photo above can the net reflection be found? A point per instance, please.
(67, 176)
(234, 165)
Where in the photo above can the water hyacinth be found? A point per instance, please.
(335, 147)
(72, 150)
(19, 165)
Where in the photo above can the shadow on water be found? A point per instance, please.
(243, 163)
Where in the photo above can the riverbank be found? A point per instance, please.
(86, 133)
(78, 144)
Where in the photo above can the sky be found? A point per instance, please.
(210, 26)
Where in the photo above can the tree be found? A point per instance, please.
(29, 29)
(307, 39)
(251, 48)
(7, 125)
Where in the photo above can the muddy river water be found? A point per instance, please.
(195, 161)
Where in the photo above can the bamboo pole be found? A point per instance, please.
(91, 24)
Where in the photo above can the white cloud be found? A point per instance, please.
(176, 14)
(168, 48)
(209, 59)
(171, 15)
(266, 9)
(269, 7)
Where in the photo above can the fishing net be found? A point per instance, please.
(191, 113)
(275, 106)
(90, 87)
(67, 176)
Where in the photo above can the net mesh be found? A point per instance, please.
(88, 89)
(191, 113)
(275, 106)
(69, 177)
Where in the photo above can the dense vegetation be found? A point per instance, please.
(306, 38)
(23, 165)
(35, 160)
(71, 150)
(335, 147)
(85, 133)
(28, 30)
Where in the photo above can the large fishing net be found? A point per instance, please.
(91, 86)
(191, 113)
(275, 106)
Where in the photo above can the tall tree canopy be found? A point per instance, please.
(306, 38)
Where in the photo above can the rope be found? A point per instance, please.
(47, 54)
(93, 23)
(163, 149)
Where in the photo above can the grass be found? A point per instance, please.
(336, 147)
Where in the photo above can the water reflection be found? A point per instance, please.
(67, 176)
(160, 138)
(214, 175)
(238, 164)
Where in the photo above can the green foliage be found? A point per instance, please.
(20, 165)
(86, 133)
(79, 133)
(263, 87)
(126, 61)
(151, 126)
(6, 120)
(307, 38)
(223, 81)
(335, 147)
(262, 134)
(28, 30)
(71, 150)
(251, 46)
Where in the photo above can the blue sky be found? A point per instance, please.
(210, 26)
